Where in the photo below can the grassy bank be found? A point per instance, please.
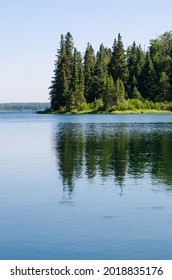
(120, 112)
(130, 106)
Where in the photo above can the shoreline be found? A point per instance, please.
(117, 112)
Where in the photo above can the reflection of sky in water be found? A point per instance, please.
(85, 187)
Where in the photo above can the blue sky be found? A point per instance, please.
(30, 33)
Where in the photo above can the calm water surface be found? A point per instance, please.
(85, 187)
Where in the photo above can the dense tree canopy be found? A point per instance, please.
(111, 76)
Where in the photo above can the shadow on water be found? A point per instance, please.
(113, 150)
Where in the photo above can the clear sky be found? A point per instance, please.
(30, 33)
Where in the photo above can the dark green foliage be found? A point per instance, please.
(161, 53)
(113, 77)
(69, 47)
(89, 65)
(164, 90)
(76, 95)
(148, 81)
(109, 97)
(135, 93)
(100, 74)
(119, 91)
(59, 89)
(118, 64)
(135, 62)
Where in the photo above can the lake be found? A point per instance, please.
(85, 186)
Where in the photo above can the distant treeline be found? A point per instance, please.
(112, 76)
(19, 107)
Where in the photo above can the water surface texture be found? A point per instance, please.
(85, 187)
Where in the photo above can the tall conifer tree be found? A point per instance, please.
(59, 90)
(76, 96)
(59, 85)
(119, 91)
(149, 82)
(109, 97)
(164, 90)
(100, 73)
(118, 63)
(89, 65)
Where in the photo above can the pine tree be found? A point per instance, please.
(76, 96)
(135, 62)
(119, 91)
(118, 64)
(59, 89)
(59, 85)
(109, 97)
(141, 55)
(164, 88)
(148, 80)
(89, 65)
(69, 48)
(100, 73)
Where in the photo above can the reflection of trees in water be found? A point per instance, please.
(161, 157)
(113, 150)
(70, 151)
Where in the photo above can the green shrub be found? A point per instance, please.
(91, 105)
(163, 106)
(62, 109)
(122, 106)
(131, 106)
(169, 106)
(84, 107)
(113, 108)
(134, 104)
(98, 104)
(147, 104)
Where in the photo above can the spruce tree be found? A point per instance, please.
(89, 65)
(164, 88)
(141, 55)
(109, 97)
(69, 48)
(135, 62)
(59, 89)
(148, 80)
(76, 96)
(100, 73)
(59, 85)
(118, 64)
(119, 91)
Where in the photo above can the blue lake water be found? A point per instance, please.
(85, 186)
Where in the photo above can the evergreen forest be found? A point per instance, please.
(113, 78)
